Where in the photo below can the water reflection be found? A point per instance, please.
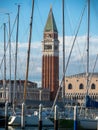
(32, 128)
(26, 128)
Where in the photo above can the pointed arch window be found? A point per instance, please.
(93, 86)
(70, 86)
(81, 86)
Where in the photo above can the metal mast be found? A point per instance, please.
(14, 90)
(88, 29)
(4, 82)
(10, 92)
(28, 53)
(63, 29)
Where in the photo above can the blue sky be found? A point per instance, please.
(73, 11)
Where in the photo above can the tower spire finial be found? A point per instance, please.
(51, 7)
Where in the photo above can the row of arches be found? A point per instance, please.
(80, 96)
(81, 86)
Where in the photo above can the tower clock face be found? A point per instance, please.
(47, 47)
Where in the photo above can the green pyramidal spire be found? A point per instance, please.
(50, 24)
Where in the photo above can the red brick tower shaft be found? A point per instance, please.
(50, 58)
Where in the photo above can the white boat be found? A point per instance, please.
(30, 120)
(90, 124)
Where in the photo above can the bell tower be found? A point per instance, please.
(50, 57)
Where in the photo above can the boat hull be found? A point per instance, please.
(29, 121)
(90, 124)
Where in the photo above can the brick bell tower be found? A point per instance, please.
(50, 58)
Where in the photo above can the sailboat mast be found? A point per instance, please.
(9, 59)
(88, 29)
(14, 91)
(4, 82)
(28, 55)
(63, 29)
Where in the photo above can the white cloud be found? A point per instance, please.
(78, 56)
(80, 45)
(79, 52)
(34, 45)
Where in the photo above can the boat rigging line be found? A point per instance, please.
(68, 11)
(8, 42)
(69, 57)
(92, 71)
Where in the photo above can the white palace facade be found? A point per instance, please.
(76, 87)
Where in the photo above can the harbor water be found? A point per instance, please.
(26, 128)
(35, 128)
(32, 128)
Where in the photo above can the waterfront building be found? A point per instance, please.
(76, 88)
(50, 71)
(50, 56)
(33, 92)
